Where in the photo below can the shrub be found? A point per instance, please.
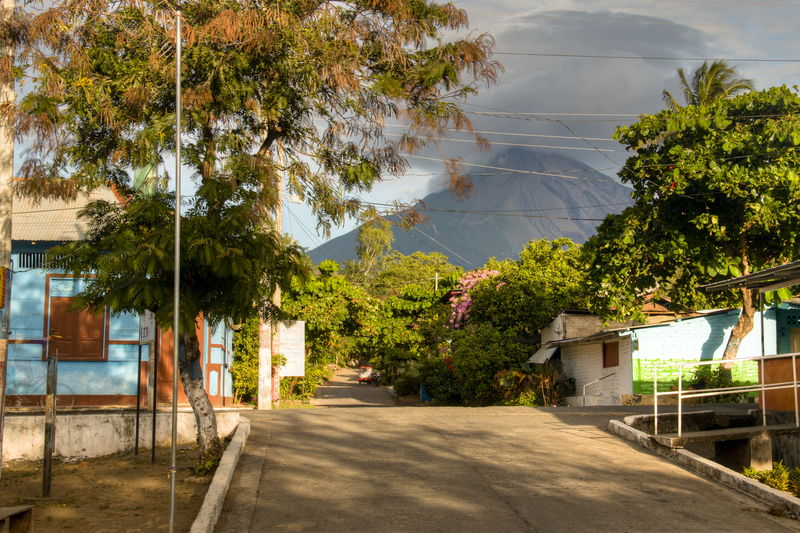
(714, 377)
(478, 353)
(535, 384)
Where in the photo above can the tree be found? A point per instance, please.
(320, 78)
(715, 191)
(709, 84)
(398, 271)
(130, 249)
(528, 293)
(374, 240)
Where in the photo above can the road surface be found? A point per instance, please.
(453, 469)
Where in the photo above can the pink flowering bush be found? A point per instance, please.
(461, 303)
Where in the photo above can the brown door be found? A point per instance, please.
(76, 335)
(794, 340)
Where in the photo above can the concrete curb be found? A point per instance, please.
(710, 468)
(212, 504)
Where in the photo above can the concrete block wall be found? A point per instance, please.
(696, 339)
(99, 434)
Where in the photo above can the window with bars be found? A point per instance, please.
(28, 260)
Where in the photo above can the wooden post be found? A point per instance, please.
(156, 357)
(6, 202)
(138, 399)
(50, 423)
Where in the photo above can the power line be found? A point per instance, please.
(490, 213)
(320, 244)
(516, 144)
(517, 134)
(649, 58)
(665, 23)
(759, 4)
(519, 171)
(442, 245)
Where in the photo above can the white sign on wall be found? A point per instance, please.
(147, 328)
(293, 348)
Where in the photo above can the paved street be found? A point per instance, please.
(451, 469)
(344, 390)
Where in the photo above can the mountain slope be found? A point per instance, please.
(570, 204)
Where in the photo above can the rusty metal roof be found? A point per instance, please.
(765, 280)
(53, 220)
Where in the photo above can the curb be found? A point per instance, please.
(711, 469)
(212, 504)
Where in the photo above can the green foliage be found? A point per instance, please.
(778, 478)
(478, 353)
(244, 367)
(397, 272)
(716, 191)
(374, 241)
(529, 292)
(100, 92)
(709, 84)
(205, 467)
(543, 384)
(129, 250)
(715, 377)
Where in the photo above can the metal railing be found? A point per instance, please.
(757, 387)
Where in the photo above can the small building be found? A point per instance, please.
(617, 364)
(98, 354)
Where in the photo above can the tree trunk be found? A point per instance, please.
(192, 379)
(740, 330)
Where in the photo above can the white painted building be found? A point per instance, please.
(617, 364)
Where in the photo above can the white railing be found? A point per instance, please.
(757, 387)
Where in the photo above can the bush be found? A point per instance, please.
(478, 353)
(778, 478)
(440, 380)
(714, 377)
(405, 385)
(535, 384)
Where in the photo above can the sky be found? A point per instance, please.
(590, 96)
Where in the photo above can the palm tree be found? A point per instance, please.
(709, 84)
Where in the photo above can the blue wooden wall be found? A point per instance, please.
(115, 375)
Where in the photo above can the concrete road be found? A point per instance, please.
(344, 390)
(450, 469)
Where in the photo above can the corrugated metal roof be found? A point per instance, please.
(53, 220)
(785, 275)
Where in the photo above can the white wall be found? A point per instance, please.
(95, 435)
(584, 362)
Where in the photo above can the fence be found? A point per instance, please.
(759, 387)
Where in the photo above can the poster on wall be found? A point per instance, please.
(293, 348)
(147, 328)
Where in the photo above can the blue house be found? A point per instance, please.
(98, 354)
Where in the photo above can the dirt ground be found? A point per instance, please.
(107, 494)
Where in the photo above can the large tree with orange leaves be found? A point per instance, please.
(319, 77)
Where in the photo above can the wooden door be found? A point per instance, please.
(794, 340)
(76, 335)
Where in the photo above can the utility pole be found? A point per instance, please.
(275, 337)
(6, 204)
(266, 330)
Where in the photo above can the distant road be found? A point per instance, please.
(344, 390)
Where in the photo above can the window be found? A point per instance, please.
(76, 335)
(611, 354)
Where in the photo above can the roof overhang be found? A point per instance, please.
(770, 279)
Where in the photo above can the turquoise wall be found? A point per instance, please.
(695, 339)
